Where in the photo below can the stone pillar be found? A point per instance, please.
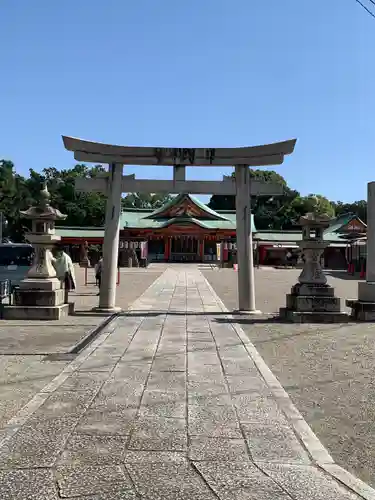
(363, 309)
(244, 238)
(370, 264)
(107, 299)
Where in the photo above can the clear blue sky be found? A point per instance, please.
(209, 73)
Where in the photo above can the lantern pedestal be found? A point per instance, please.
(38, 305)
(40, 295)
(363, 309)
(312, 299)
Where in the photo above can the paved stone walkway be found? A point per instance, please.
(327, 369)
(168, 403)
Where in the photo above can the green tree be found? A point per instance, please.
(358, 208)
(277, 212)
(88, 209)
(269, 212)
(227, 202)
(18, 193)
(313, 203)
(266, 176)
(14, 196)
(145, 200)
(82, 209)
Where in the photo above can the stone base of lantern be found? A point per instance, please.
(313, 303)
(39, 298)
(49, 284)
(38, 304)
(43, 313)
(363, 309)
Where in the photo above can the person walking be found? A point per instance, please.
(98, 272)
(65, 271)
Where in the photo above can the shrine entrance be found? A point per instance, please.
(185, 249)
(115, 183)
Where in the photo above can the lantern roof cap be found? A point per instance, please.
(43, 210)
(313, 219)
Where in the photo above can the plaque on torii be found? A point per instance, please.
(115, 183)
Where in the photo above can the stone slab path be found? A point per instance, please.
(170, 402)
(328, 370)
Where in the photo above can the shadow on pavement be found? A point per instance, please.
(171, 313)
(86, 313)
(250, 320)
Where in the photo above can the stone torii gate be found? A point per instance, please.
(114, 184)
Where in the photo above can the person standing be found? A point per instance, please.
(98, 272)
(65, 271)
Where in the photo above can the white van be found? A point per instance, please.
(15, 261)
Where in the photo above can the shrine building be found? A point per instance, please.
(187, 230)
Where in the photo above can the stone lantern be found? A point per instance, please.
(40, 294)
(312, 247)
(312, 299)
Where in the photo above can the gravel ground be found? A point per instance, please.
(327, 369)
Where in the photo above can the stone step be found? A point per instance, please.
(309, 303)
(313, 316)
(361, 311)
(43, 313)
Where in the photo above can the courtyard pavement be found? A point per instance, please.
(170, 401)
(24, 369)
(327, 370)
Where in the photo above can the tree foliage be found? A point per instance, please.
(88, 209)
(145, 200)
(358, 207)
(82, 209)
(283, 212)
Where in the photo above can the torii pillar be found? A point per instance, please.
(244, 239)
(107, 293)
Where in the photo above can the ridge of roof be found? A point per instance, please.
(91, 228)
(340, 221)
(181, 197)
(136, 209)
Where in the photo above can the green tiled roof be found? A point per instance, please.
(146, 219)
(179, 199)
(339, 223)
(334, 232)
(133, 218)
(278, 236)
(80, 232)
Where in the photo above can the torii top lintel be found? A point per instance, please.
(96, 152)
